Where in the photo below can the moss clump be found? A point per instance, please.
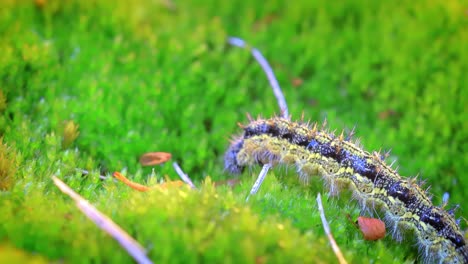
(141, 76)
(3, 103)
(220, 226)
(9, 254)
(8, 166)
(70, 133)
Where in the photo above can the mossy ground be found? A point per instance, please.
(129, 77)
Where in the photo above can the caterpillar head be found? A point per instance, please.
(231, 163)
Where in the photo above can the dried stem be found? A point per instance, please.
(133, 185)
(268, 71)
(326, 227)
(105, 223)
(183, 176)
(278, 94)
(259, 180)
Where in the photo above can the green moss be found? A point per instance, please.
(69, 134)
(8, 166)
(2, 101)
(9, 254)
(144, 76)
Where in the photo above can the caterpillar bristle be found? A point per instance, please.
(357, 143)
(387, 153)
(341, 137)
(351, 134)
(422, 183)
(429, 195)
(375, 156)
(343, 164)
(452, 210)
(414, 180)
(381, 154)
(314, 130)
(428, 188)
(249, 117)
(324, 124)
(397, 168)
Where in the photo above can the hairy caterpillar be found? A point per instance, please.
(343, 164)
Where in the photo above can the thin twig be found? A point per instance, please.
(183, 176)
(326, 227)
(259, 181)
(105, 223)
(268, 71)
(129, 183)
(278, 94)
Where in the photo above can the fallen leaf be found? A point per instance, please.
(154, 158)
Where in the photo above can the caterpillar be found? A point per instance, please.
(343, 164)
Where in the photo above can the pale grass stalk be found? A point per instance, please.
(105, 223)
(278, 94)
(183, 176)
(326, 227)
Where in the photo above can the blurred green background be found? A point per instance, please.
(140, 76)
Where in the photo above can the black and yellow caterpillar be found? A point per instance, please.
(345, 165)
